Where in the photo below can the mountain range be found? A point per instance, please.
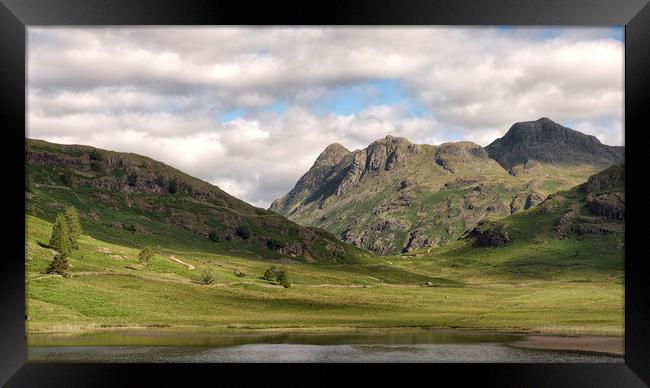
(395, 196)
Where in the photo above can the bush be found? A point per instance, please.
(132, 179)
(173, 186)
(59, 266)
(278, 275)
(98, 166)
(275, 244)
(67, 179)
(243, 232)
(214, 236)
(206, 277)
(145, 256)
(28, 182)
(96, 155)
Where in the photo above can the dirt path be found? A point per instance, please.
(189, 266)
(609, 345)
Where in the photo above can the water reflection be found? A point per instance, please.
(422, 346)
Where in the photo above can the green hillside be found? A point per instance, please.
(121, 196)
(109, 289)
(577, 229)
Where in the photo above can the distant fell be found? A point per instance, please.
(395, 196)
(546, 141)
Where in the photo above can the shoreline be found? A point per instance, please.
(593, 344)
(246, 329)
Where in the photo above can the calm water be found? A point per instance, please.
(356, 347)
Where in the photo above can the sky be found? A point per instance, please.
(250, 108)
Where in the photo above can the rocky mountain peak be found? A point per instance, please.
(332, 155)
(547, 141)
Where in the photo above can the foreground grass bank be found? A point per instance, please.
(109, 289)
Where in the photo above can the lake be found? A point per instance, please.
(419, 346)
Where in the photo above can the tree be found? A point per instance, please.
(74, 226)
(173, 186)
(145, 256)
(59, 265)
(206, 277)
(59, 239)
(278, 275)
(96, 161)
(243, 232)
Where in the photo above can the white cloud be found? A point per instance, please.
(161, 91)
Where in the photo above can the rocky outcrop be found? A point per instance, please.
(547, 141)
(613, 177)
(611, 206)
(533, 199)
(490, 235)
(389, 225)
(418, 239)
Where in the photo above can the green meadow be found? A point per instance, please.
(537, 284)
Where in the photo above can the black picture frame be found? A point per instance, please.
(16, 15)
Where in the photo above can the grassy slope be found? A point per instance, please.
(152, 213)
(103, 292)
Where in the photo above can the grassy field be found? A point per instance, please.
(548, 289)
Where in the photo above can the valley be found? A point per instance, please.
(554, 265)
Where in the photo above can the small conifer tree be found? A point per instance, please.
(59, 239)
(74, 227)
(59, 266)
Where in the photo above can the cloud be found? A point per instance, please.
(164, 92)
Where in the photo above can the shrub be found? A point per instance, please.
(145, 256)
(132, 179)
(59, 239)
(67, 179)
(206, 277)
(275, 244)
(59, 266)
(173, 186)
(28, 182)
(214, 236)
(278, 275)
(96, 155)
(243, 232)
(98, 166)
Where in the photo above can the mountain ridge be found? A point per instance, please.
(414, 195)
